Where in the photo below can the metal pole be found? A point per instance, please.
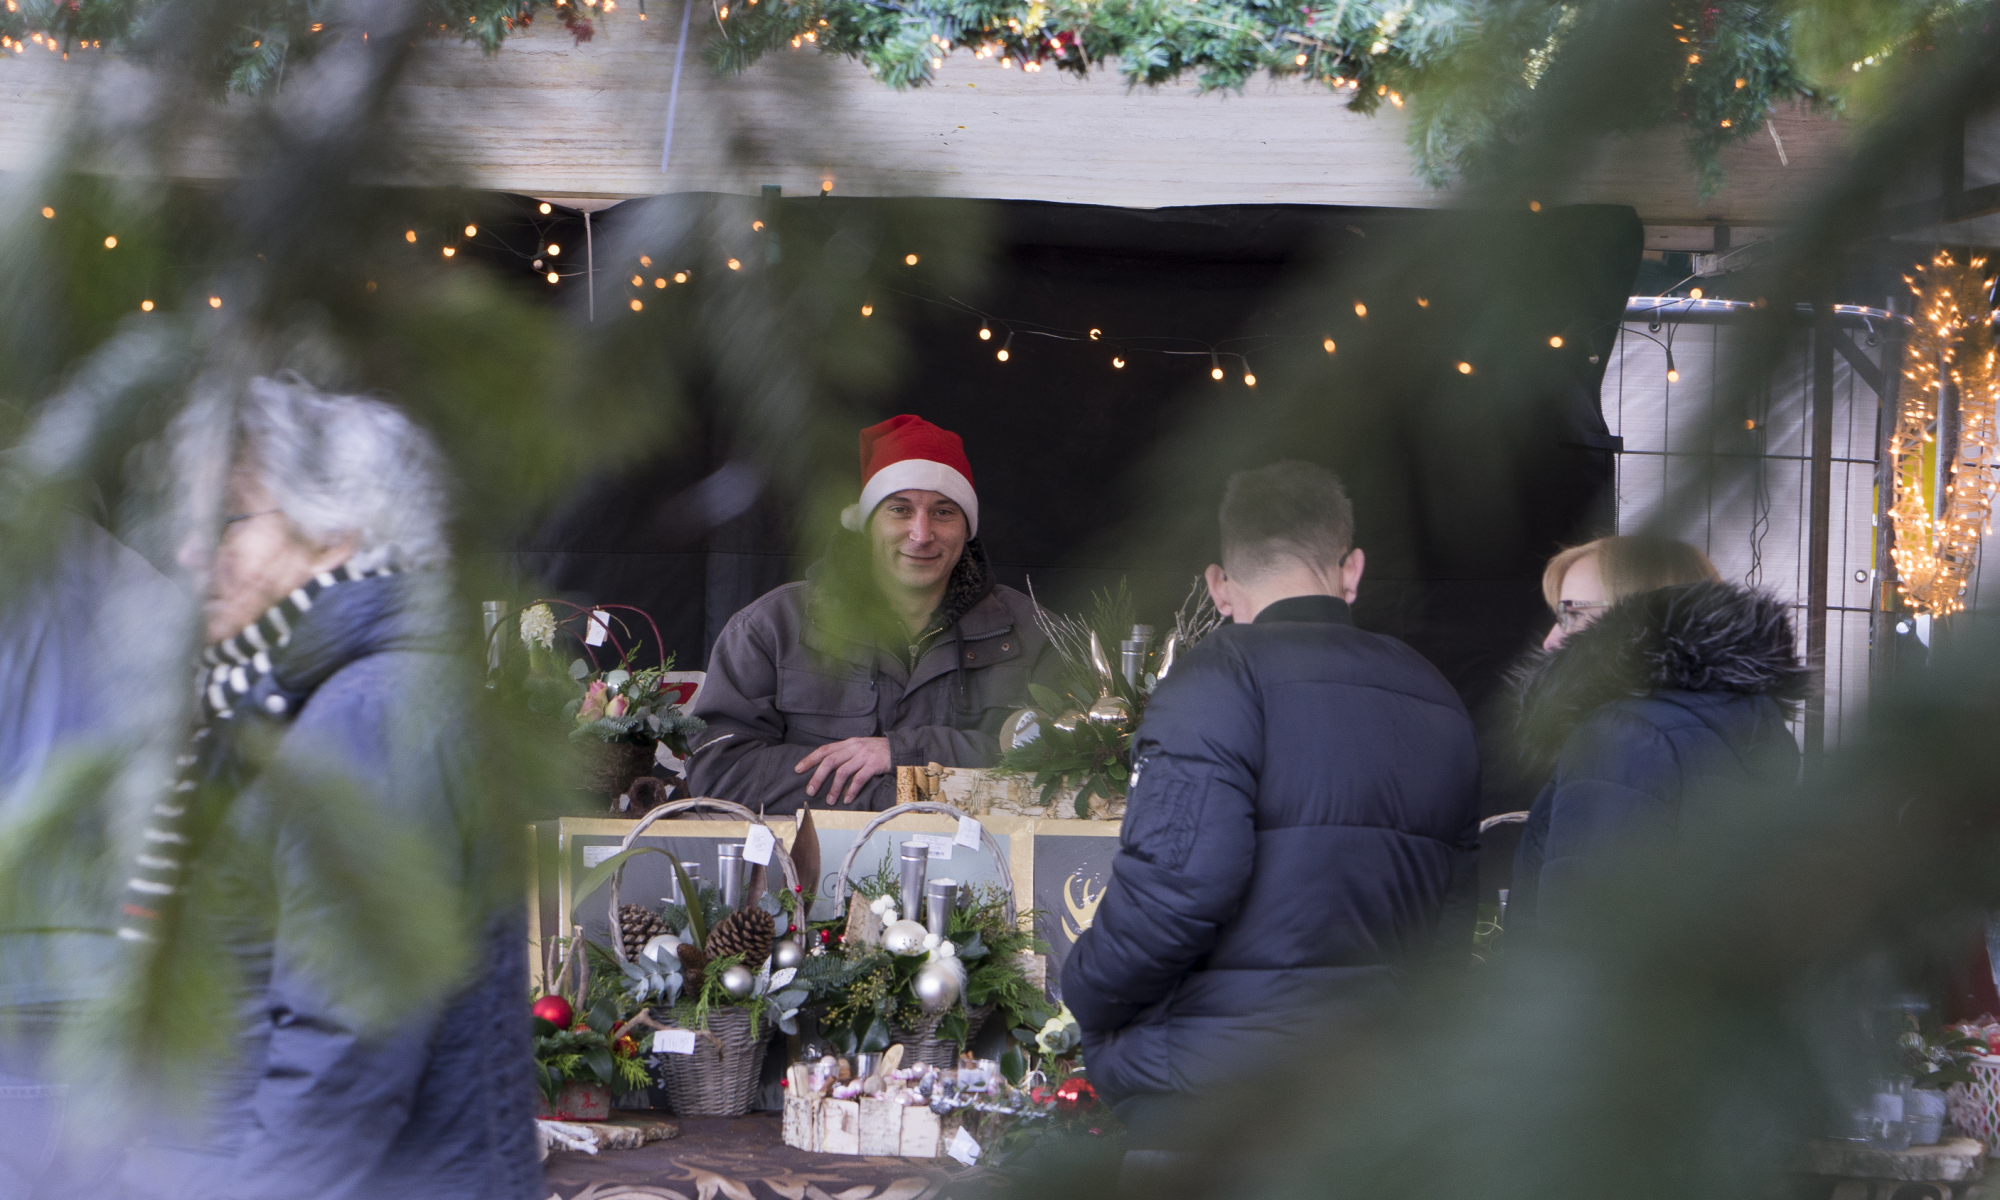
(1882, 614)
(1820, 518)
(589, 265)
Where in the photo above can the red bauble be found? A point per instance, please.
(1075, 1095)
(555, 1010)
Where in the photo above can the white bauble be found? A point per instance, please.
(738, 982)
(936, 987)
(660, 948)
(904, 937)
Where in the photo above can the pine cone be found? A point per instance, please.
(638, 925)
(747, 931)
(693, 963)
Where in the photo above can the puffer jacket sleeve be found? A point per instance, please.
(1187, 846)
(336, 1104)
(742, 755)
(1616, 785)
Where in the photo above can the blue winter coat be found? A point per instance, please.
(1307, 794)
(442, 1105)
(1670, 697)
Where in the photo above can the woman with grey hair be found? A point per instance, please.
(331, 698)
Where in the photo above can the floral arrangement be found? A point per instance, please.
(1937, 1058)
(1081, 736)
(869, 992)
(691, 959)
(570, 1051)
(612, 705)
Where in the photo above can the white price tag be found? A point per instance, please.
(597, 627)
(596, 855)
(963, 1147)
(757, 845)
(673, 1041)
(968, 833)
(940, 845)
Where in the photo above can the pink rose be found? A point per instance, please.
(593, 703)
(617, 707)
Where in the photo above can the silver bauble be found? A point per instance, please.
(786, 953)
(1021, 728)
(936, 987)
(1068, 721)
(738, 981)
(904, 937)
(1110, 710)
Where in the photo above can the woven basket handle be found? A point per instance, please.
(671, 808)
(990, 843)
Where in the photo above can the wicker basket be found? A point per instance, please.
(922, 1045)
(720, 1079)
(1975, 1106)
(920, 1042)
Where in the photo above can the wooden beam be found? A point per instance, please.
(549, 118)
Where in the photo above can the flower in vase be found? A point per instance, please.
(538, 627)
(593, 703)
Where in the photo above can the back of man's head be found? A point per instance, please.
(1286, 513)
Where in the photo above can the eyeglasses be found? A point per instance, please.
(1573, 615)
(228, 521)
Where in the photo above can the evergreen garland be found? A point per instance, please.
(1466, 68)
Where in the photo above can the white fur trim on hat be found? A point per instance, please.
(921, 474)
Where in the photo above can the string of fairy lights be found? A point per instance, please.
(1951, 348)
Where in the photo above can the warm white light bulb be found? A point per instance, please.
(554, 250)
(553, 277)
(985, 334)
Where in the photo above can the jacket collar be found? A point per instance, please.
(1318, 610)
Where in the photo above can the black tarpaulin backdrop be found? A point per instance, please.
(1463, 484)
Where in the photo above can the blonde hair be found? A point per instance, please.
(1630, 565)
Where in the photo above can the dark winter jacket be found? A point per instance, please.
(1306, 796)
(1667, 697)
(441, 1105)
(824, 660)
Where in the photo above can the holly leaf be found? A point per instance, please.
(1014, 1065)
(599, 1060)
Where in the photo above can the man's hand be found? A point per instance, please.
(852, 762)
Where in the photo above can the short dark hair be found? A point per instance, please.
(1286, 510)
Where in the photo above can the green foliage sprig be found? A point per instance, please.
(264, 39)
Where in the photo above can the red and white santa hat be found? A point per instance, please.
(910, 452)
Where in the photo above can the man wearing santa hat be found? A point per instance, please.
(898, 649)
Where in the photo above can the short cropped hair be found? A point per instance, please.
(346, 465)
(1292, 510)
(1630, 565)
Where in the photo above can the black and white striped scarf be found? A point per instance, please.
(229, 671)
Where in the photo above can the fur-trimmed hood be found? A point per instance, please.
(1702, 637)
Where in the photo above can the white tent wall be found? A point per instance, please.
(1692, 468)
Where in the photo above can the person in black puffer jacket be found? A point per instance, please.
(1670, 693)
(1304, 803)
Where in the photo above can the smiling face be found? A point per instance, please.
(260, 558)
(915, 539)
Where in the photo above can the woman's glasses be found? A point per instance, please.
(1573, 615)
